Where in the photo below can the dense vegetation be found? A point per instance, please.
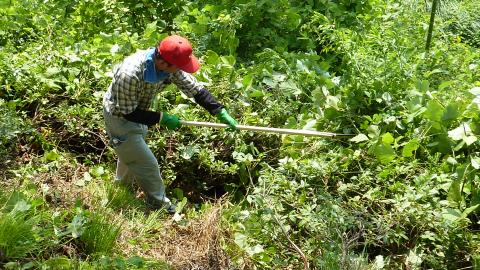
(403, 193)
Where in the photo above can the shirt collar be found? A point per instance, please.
(150, 74)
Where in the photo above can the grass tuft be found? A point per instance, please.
(100, 234)
(121, 197)
(17, 236)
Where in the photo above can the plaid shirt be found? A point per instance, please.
(129, 90)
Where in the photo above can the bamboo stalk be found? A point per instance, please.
(267, 129)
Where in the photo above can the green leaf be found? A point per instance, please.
(76, 227)
(387, 138)
(475, 91)
(415, 104)
(28, 265)
(373, 131)
(211, 58)
(189, 152)
(290, 86)
(469, 210)
(452, 161)
(247, 81)
(181, 205)
(52, 71)
(475, 162)
(114, 49)
(310, 124)
(387, 97)
(451, 112)
(269, 82)
(21, 206)
(178, 193)
(293, 19)
(423, 86)
(434, 111)
(255, 93)
(451, 215)
(241, 240)
(463, 132)
(445, 84)
(136, 261)
(454, 192)
(228, 60)
(80, 182)
(332, 102)
(413, 259)
(475, 195)
(51, 156)
(97, 171)
(359, 138)
(87, 177)
(384, 153)
(442, 143)
(459, 132)
(301, 66)
(470, 140)
(410, 147)
(255, 249)
(150, 30)
(317, 97)
(58, 263)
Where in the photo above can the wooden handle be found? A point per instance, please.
(266, 129)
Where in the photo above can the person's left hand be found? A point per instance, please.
(225, 118)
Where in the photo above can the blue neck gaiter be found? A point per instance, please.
(150, 75)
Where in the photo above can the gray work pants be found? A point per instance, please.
(135, 159)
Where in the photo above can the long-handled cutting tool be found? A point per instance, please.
(268, 129)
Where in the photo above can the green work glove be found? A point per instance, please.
(225, 118)
(170, 121)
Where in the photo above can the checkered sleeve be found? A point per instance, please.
(189, 85)
(124, 91)
(186, 82)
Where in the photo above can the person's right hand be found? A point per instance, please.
(170, 121)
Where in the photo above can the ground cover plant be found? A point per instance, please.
(402, 192)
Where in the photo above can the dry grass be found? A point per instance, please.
(63, 190)
(195, 245)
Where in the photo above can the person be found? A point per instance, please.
(127, 114)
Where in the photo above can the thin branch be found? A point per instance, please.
(297, 249)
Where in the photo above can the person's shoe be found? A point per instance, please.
(166, 204)
(171, 208)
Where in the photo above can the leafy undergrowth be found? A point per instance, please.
(402, 192)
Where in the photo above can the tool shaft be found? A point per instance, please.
(266, 129)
